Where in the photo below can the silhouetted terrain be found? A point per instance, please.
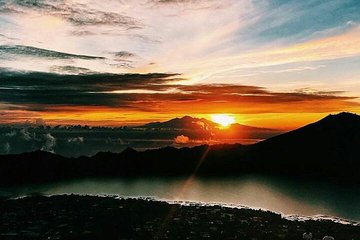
(88, 217)
(75, 141)
(325, 149)
(328, 147)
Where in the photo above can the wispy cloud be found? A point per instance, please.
(244, 34)
(340, 46)
(79, 14)
(42, 53)
(104, 56)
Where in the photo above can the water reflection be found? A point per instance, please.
(276, 194)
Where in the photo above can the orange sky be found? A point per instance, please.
(128, 99)
(285, 116)
(275, 64)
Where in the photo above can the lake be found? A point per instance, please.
(289, 197)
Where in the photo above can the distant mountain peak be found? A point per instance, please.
(343, 118)
(186, 117)
(343, 115)
(340, 130)
(129, 150)
(185, 122)
(190, 126)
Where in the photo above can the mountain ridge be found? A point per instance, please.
(183, 122)
(298, 153)
(75, 141)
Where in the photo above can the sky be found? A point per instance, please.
(278, 64)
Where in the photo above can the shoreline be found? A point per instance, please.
(143, 218)
(291, 217)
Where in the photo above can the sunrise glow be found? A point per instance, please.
(228, 101)
(81, 62)
(223, 119)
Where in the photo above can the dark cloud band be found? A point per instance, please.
(147, 92)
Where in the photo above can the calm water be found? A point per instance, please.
(276, 194)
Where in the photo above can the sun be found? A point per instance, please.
(223, 119)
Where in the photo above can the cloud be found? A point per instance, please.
(124, 54)
(330, 48)
(243, 35)
(6, 148)
(2, 36)
(25, 134)
(49, 144)
(284, 45)
(181, 139)
(156, 92)
(76, 140)
(37, 89)
(40, 122)
(39, 29)
(76, 13)
(84, 82)
(124, 59)
(70, 70)
(21, 50)
(192, 4)
(116, 141)
(10, 134)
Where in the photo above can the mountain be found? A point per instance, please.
(194, 128)
(201, 128)
(75, 141)
(327, 147)
(335, 131)
(324, 149)
(185, 122)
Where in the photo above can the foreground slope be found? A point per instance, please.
(88, 217)
(328, 147)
